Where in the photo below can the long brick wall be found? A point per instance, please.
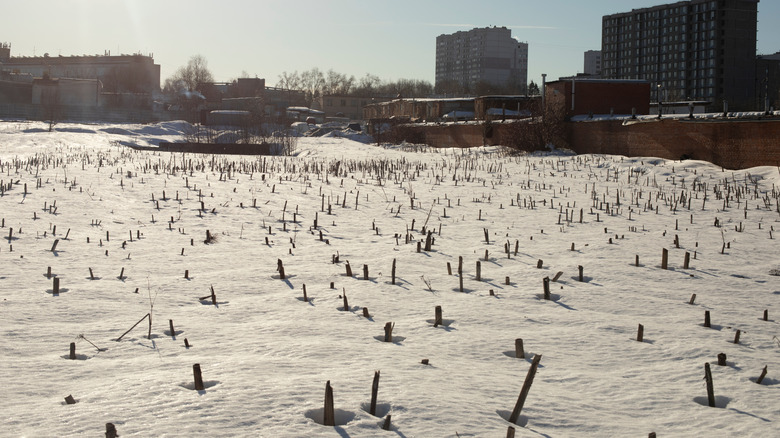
(733, 144)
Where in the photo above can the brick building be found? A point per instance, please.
(579, 96)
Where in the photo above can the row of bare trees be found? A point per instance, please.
(314, 83)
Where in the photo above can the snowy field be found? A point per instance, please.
(128, 233)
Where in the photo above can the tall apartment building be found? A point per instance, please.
(483, 55)
(689, 50)
(592, 63)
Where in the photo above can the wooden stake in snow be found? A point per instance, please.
(580, 268)
(763, 374)
(72, 355)
(389, 331)
(539, 264)
(546, 285)
(328, 414)
(349, 269)
(346, 303)
(710, 390)
(70, 400)
(687, 262)
(392, 272)
(386, 424)
(766, 314)
(707, 318)
(665, 259)
(693, 298)
(479, 271)
(173, 332)
(640, 333)
(374, 391)
(529, 380)
(437, 321)
(54, 246)
(736, 336)
(722, 359)
(519, 351)
(365, 272)
(280, 268)
(56, 287)
(198, 377)
(111, 430)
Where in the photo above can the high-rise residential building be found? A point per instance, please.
(484, 55)
(688, 50)
(592, 63)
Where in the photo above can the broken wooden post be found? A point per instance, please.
(374, 391)
(539, 264)
(707, 318)
(386, 424)
(736, 336)
(48, 272)
(328, 415)
(546, 285)
(70, 400)
(687, 262)
(365, 313)
(580, 268)
(519, 351)
(365, 272)
(693, 298)
(640, 333)
(186, 343)
(213, 296)
(187, 274)
(198, 377)
(72, 354)
(54, 246)
(506, 280)
(280, 268)
(766, 314)
(510, 432)
(349, 269)
(346, 303)
(56, 286)
(722, 359)
(111, 430)
(173, 332)
(305, 297)
(763, 374)
(529, 379)
(389, 332)
(665, 259)
(710, 390)
(437, 321)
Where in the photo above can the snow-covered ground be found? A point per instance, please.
(119, 228)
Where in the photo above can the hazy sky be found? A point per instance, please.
(390, 39)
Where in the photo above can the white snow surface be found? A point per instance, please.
(266, 355)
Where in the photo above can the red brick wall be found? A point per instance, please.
(731, 144)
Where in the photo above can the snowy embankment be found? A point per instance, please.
(126, 234)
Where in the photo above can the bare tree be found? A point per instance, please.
(190, 76)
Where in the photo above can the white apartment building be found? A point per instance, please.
(482, 55)
(592, 63)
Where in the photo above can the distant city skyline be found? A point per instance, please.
(391, 40)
